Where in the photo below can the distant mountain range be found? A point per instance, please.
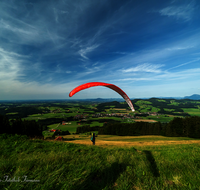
(192, 97)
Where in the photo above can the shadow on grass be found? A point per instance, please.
(152, 163)
(98, 180)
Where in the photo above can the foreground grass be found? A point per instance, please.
(60, 165)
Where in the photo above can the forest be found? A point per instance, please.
(21, 127)
(178, 127)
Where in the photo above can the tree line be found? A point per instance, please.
(178, 127)
(131, 129)
(31, 128)
(86, 128)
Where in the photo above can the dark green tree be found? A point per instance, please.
(4, 124)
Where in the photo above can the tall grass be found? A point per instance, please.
(67, 166)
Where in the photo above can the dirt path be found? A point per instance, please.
(128, 144)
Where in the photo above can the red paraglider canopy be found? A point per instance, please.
(111, 86)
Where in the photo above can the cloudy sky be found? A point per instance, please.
(147, 48)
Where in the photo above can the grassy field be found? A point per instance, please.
(192, 111)
(160, 100)
(96, 123)
(60, 166)
(129, 141)
(70, 127)
(53, 126)
(145, 106)
(12, 113)
(161, 118)
(173, 102)
(49, 115)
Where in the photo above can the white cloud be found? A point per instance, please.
(185, 63)
(68, 72)
(146, 67)
(136, 79)
(165, 76)
(10, 63)
(95, 64)
(176, 48)
(9, 70)
(123, 53)
(7, 53)
(188, 74)
(35, 30)
(87, 50)
(21, 32)
(179, 12)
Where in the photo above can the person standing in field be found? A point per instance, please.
(93, 138)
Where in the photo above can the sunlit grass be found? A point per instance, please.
(192, 111)
(60, 165)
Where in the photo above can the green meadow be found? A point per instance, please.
(145, 106)
(12, 113)
(70, 127)
(173, 102)
(168, 107)
(161, 118)
(192, 111)
(55, 165)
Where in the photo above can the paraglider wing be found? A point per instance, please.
(111, 86)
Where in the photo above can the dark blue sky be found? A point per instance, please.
(147, 48)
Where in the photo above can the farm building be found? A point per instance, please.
(53, 130)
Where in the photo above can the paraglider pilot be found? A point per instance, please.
(93, 138)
